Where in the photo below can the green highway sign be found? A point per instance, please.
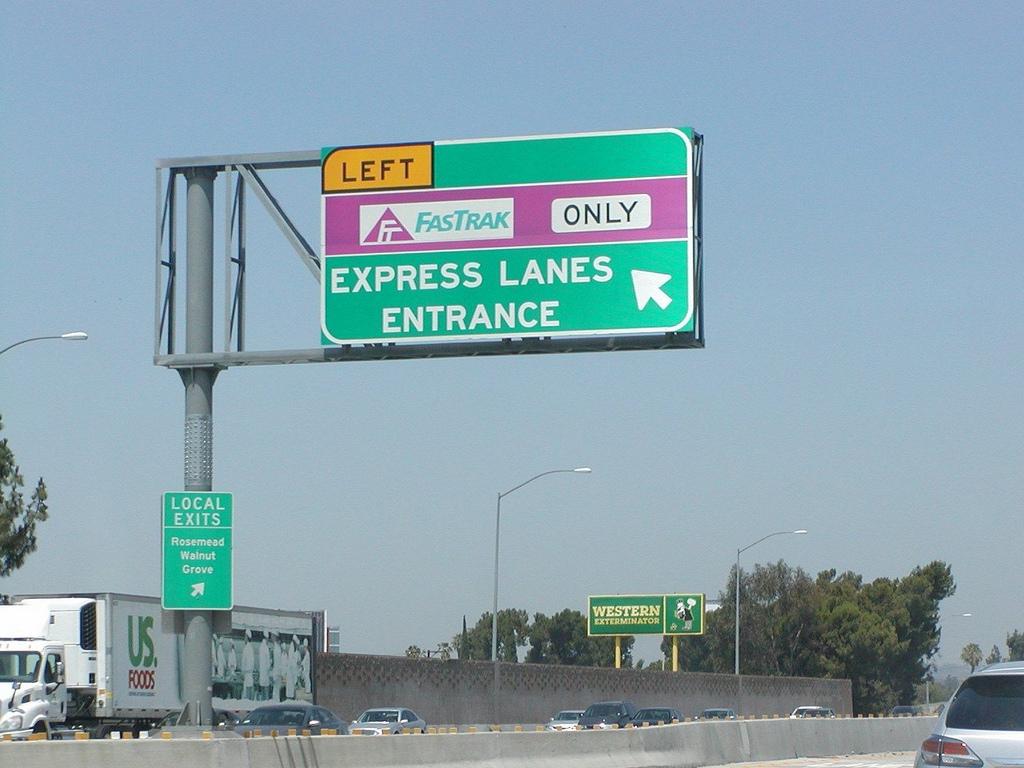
(197, 567)
(681, 614)
(540, 236)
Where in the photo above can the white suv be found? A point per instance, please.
(983, 725)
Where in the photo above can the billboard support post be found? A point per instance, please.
(197, 684)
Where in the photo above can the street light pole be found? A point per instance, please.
(738, 553)
(70, 336)
(497, 533)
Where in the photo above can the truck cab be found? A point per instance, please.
(39, 643)
(33, 693)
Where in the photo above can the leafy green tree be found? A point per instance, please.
(562, 639)
(971, 655)
(881, 635)
(1015, 645)
(856, 642)
(513, 631)
(18, 520)
(778, 619)
(994, 656)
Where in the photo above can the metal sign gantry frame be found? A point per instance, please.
(247, 169)
(199, 365)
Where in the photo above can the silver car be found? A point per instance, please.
(380, 720)
(566, 720)
(983, 725)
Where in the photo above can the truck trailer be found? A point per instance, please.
(102, 662)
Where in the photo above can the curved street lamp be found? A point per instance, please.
(497, 530)
(70, 336)
(738, 553)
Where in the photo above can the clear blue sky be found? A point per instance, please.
(864, 284)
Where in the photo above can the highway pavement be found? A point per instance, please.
(882, 760)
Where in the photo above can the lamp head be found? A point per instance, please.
(802, 530)
(75, 336)
(585, 470)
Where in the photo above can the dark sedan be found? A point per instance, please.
(607, 714)
(657, 716)
(284, 717)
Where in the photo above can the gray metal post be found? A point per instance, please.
(196, 684)
(494, 621)
(737, 644)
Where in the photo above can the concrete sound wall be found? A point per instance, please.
(686, 745)
(462, 691)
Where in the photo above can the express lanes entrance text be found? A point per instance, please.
(450, 275)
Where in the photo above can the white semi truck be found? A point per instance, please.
(105, 662)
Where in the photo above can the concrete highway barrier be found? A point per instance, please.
(686, 745)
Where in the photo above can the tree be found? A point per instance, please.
(562, 639)
(1015, 645)
(995, 656)
(971, 655)
(513, 630)
(881, 635)
(18, 520)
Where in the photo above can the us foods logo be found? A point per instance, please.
(434, 222)
(142, 655)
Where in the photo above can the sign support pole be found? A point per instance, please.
(675, 653)
(618, 652)
(197, 684)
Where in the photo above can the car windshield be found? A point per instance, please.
(18, 666)
(716, 713)
(379, 716)
(283, 716)
(989, 703)
(602, 710)
(568, 714)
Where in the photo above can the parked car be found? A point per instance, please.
(904, 710)
(813, 712)
(657, 716)
(298, 715)
(223, 719)
(605, 714)
(566, 720)
(983, 724)
(378, 720)
(717, 713)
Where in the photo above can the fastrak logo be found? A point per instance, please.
(435, 222)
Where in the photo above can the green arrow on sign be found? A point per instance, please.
(197, 555)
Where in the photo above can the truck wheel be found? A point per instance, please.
(40, 727)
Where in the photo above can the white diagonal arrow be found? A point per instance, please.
(198, 589)
(647, 286)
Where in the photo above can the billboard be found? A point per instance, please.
(678, 614)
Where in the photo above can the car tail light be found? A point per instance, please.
(942, 750)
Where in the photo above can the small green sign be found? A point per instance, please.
(645, 615)
(197, 568)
